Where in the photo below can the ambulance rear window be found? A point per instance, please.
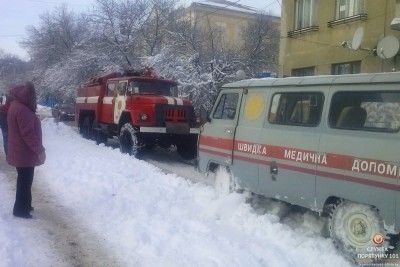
(366, 111)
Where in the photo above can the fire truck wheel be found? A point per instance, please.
(356, 229)
(128, 140)
(187, 147)
(87, 128)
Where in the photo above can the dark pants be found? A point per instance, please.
(23, 198)
(4, 132)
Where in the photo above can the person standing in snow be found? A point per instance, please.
(25, 149)
(3, 121)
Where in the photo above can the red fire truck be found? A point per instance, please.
(139, 108)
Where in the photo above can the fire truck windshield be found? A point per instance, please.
(154, 88)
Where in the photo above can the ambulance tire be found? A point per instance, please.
(353, 226)
(87, 128)
(187, 147)
(224, 182)
(128, 141)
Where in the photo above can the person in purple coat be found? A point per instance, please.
(3, 121)
(25, 148)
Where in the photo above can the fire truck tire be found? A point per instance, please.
(354, 228)
(128, 141)
(187, 147)
(87, 128)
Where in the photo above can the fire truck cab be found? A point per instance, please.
(139, 108)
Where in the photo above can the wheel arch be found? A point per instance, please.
(125, 118)
(86, 113)
(329, 205)
(213, 166)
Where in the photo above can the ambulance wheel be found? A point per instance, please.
(87, 128)
(128, 141)
(224, 182)
(187, 147)
(356, 228)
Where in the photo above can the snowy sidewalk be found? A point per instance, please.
(51, 237)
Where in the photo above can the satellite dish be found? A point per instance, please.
(387, 47)
(357, 38)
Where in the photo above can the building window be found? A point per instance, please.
(348, 8)
(346, 68)
(397, 9)
(305, 14)
(221, 33)
(298, 109)
(303, 72)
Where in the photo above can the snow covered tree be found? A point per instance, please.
(117, 27)
(59, 33)
(161, 18)
(67, 48)
(13, 70)
(260, 49)
(51, 45)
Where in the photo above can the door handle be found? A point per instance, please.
(273, 169)
(229, 131)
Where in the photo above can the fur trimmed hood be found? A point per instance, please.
(25, 94)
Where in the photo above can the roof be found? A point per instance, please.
(389, 77)
(227, 5)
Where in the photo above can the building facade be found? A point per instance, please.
(224, 19)
(320, 37)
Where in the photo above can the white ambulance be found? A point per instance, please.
(327, 143)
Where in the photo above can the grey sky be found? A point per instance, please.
(16, 15)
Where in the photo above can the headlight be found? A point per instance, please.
(143, 117)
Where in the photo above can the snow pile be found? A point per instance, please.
(148, 218)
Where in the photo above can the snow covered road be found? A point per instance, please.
(97, 207)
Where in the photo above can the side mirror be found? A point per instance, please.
(204, 114)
